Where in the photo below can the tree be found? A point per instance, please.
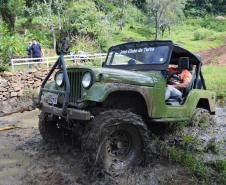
(122, 12)
(49, 10)
(204, 7)
(164, 12)
(9, 9)
(139, 3)
(30, 10)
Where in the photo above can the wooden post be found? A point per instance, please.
(12, 64)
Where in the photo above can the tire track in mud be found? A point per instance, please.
(26, 160)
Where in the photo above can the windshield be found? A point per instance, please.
(138, 56)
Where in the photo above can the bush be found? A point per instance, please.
(11, 46)
(43, 37)
(202, 34)
(86, 44)
(213, 24)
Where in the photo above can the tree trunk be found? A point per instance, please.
(156, 27)
(9, 19)
(29, 21)
(54, 36)
(59, 20)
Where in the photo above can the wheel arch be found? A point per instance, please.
(126, 99)
(204, 103)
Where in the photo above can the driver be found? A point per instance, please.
(180, 79)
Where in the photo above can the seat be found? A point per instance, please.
(183, 63)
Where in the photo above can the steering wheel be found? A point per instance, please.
(173, 78)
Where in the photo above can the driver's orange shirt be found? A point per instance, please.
(185, 76)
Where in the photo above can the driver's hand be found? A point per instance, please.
(176, 83)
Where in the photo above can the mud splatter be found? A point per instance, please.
(26, 160)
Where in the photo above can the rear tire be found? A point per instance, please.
(115, 141)
(202, 118)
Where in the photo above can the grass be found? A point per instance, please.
(215, 77)
(189, 33)
(185, 35)
(197, 166)
(221, 167)
(188, 160)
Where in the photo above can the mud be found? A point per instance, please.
(214, 55)
(26, 160)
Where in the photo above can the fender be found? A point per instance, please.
(99, 92)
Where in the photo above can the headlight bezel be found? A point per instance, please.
(87, 86)
(62, 79)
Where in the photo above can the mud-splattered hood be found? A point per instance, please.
(147, 78)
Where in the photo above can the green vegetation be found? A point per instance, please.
(96, 25)
(215, 77)
(190, 143)
(216, 147)
(187, 159)
(221, 167)
(185, 155)
(193, 34)
(30, 93)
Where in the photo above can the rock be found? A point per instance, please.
(220, 18)
(3, 82)
(13, 94)
(24, 77)
(6, 94)
(15, 79)
(12, 100)
(31, 82)
(10, 89)
(17, 88)
(2, 89)
(6, 73)
(39, 77)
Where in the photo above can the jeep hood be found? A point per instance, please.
(149, 78)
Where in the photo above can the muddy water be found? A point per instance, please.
(26, 160)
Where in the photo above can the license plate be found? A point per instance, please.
(52, 98)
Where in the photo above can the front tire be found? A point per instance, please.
(115, 140)
(48, 128)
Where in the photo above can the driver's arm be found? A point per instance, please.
(186, 80)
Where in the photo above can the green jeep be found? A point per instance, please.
(110, 108)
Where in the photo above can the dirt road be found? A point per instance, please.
(214, 55)
(26, 160)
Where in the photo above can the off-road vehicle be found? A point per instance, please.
(111, 107)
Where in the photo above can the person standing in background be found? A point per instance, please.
(36, 51)
(29, 53)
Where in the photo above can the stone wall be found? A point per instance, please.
(17, 90)
(13, 85)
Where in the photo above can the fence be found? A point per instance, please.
(48, 60)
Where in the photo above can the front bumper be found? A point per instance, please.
(71, 113)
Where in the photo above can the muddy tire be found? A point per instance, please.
(115, 141)
(202, 118)
(48, 128)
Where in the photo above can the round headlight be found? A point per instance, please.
(59, 78)
(87, 80)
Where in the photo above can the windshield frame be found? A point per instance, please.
(153, 66)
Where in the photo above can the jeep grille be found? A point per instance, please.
(75, 78)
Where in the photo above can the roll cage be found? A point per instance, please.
(175, 52)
